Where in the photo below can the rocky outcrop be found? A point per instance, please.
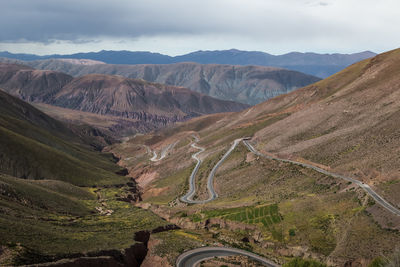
(131, 192)
(152, 259)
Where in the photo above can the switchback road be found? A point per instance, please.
(188, 198)
(192, 257)
(163, 152)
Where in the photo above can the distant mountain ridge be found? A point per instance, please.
(150, 105)
(244, 84)
(320, 65)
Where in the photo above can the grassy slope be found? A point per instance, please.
(48, 216)
(35, 146)
(53, 219)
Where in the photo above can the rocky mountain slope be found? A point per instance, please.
(31, 85)
(150, 105)
(245, 84)
(346, 124)
(320, 65)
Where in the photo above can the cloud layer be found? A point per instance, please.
(284, 24)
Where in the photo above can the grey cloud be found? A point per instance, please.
(306, 23)
(44, 20)
(78, 21)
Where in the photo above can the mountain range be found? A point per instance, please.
(320, 65)
(244, 84)
(146, 105)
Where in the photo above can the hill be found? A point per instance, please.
(345, 124)
(35, 146)
(320, 65)
(245, 84)
(139, 104)
(59, 198)
(30, 84)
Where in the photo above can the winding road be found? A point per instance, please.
(163, 153)
(364, 186)
(195, 256)
(188, 198)
(192, 257)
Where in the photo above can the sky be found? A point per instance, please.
(176, 27)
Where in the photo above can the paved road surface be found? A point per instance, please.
(195, 256)
(188, 198)
(364, 186)
(163, 153)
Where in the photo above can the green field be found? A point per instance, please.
(265, 215)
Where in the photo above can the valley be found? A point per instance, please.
(263, 180)
(324, 211)
(199, 133)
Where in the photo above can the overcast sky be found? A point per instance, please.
(176, 27)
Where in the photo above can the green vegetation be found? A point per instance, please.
(54, 223)
(392, 261)
(35, 146)
(265, 214)
(32, 159)
(298, 262)
(55, 196)
(378, 262)
(177, 184)
(292, 232)
(174, 243)
(67, 202)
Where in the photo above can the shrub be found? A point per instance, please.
(292, 232)
(377, 262)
